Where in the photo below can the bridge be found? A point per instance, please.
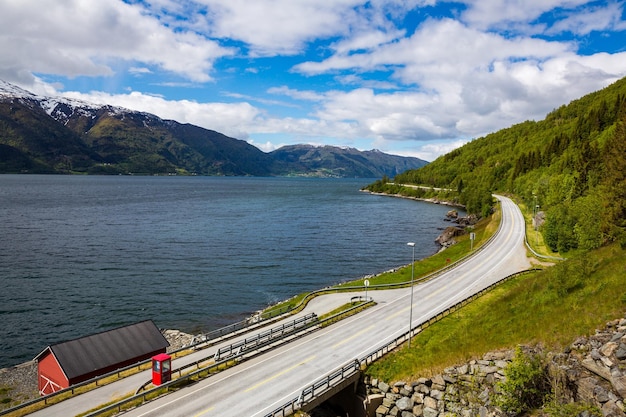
(319, 363)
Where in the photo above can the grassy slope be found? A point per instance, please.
(550, 308)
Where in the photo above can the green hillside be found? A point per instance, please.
(572, 165)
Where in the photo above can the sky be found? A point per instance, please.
(408, 77)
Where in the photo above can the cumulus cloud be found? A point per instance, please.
(461, 82)
(353, 71)
(89, 38)
(232, 119)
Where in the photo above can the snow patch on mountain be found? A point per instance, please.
(62, 108)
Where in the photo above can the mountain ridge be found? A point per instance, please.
(41, 134)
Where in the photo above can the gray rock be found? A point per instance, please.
(430, 412)
(620, 353)
(404, 403)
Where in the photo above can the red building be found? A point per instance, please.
(67, 363)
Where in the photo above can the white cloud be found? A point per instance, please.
(90, 38)
(462, 82)
(297, 94)
(504, 14)
(271, 27)
(231, 119)
(447, 79)
(139, 70)
(603, 18)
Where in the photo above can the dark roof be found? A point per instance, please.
(102, 350)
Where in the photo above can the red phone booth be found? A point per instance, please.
(161, 368)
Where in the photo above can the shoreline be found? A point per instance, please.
(426, 200)
(21, 379)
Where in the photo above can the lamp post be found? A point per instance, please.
(536, 226)
(412, 244)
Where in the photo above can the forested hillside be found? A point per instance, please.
(572, 165)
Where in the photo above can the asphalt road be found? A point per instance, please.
(258, 386)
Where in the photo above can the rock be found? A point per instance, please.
(620, 353)
(430, 412)
(430, 402)
(381, 410)
(619, 385)
(446, 238)
(609, 349)
(404, 403)
(600, 394)
(599, 370)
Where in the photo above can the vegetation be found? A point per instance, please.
(530, 385)
(571, 165)
(525, 384)
(520, 311)
(568, 173)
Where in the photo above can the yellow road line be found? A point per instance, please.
(201, 413)
(353, 336)
(309, 359)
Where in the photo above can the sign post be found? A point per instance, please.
(367, 284)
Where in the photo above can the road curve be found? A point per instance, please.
(260, 385)
(256, 387)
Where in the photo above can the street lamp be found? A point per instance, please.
(536, 225)
(412, 244)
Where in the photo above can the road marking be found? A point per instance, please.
(344, 341)
(201, 413)
(309, 359)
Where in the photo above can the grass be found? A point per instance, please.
(550, 308)
(337, 315)
(533, 237)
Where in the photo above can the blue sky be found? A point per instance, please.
(408, 77)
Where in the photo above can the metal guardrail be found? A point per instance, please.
(211, 369)
(237, 327)
(239, 348)
(339, 375)
(266, 336)
(230, 330)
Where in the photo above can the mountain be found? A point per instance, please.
(570, 167)
(342, 162)
(58, 135)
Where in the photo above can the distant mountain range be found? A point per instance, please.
(58, 135)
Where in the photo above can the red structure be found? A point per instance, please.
(161, 369)
(67, 363)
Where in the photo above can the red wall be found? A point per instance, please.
(49, 373)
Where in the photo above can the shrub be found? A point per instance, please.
(525, 385)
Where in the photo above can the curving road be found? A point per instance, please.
(258, 386)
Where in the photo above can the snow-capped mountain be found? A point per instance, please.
(62, 135)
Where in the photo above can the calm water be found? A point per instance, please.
(80, 254)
